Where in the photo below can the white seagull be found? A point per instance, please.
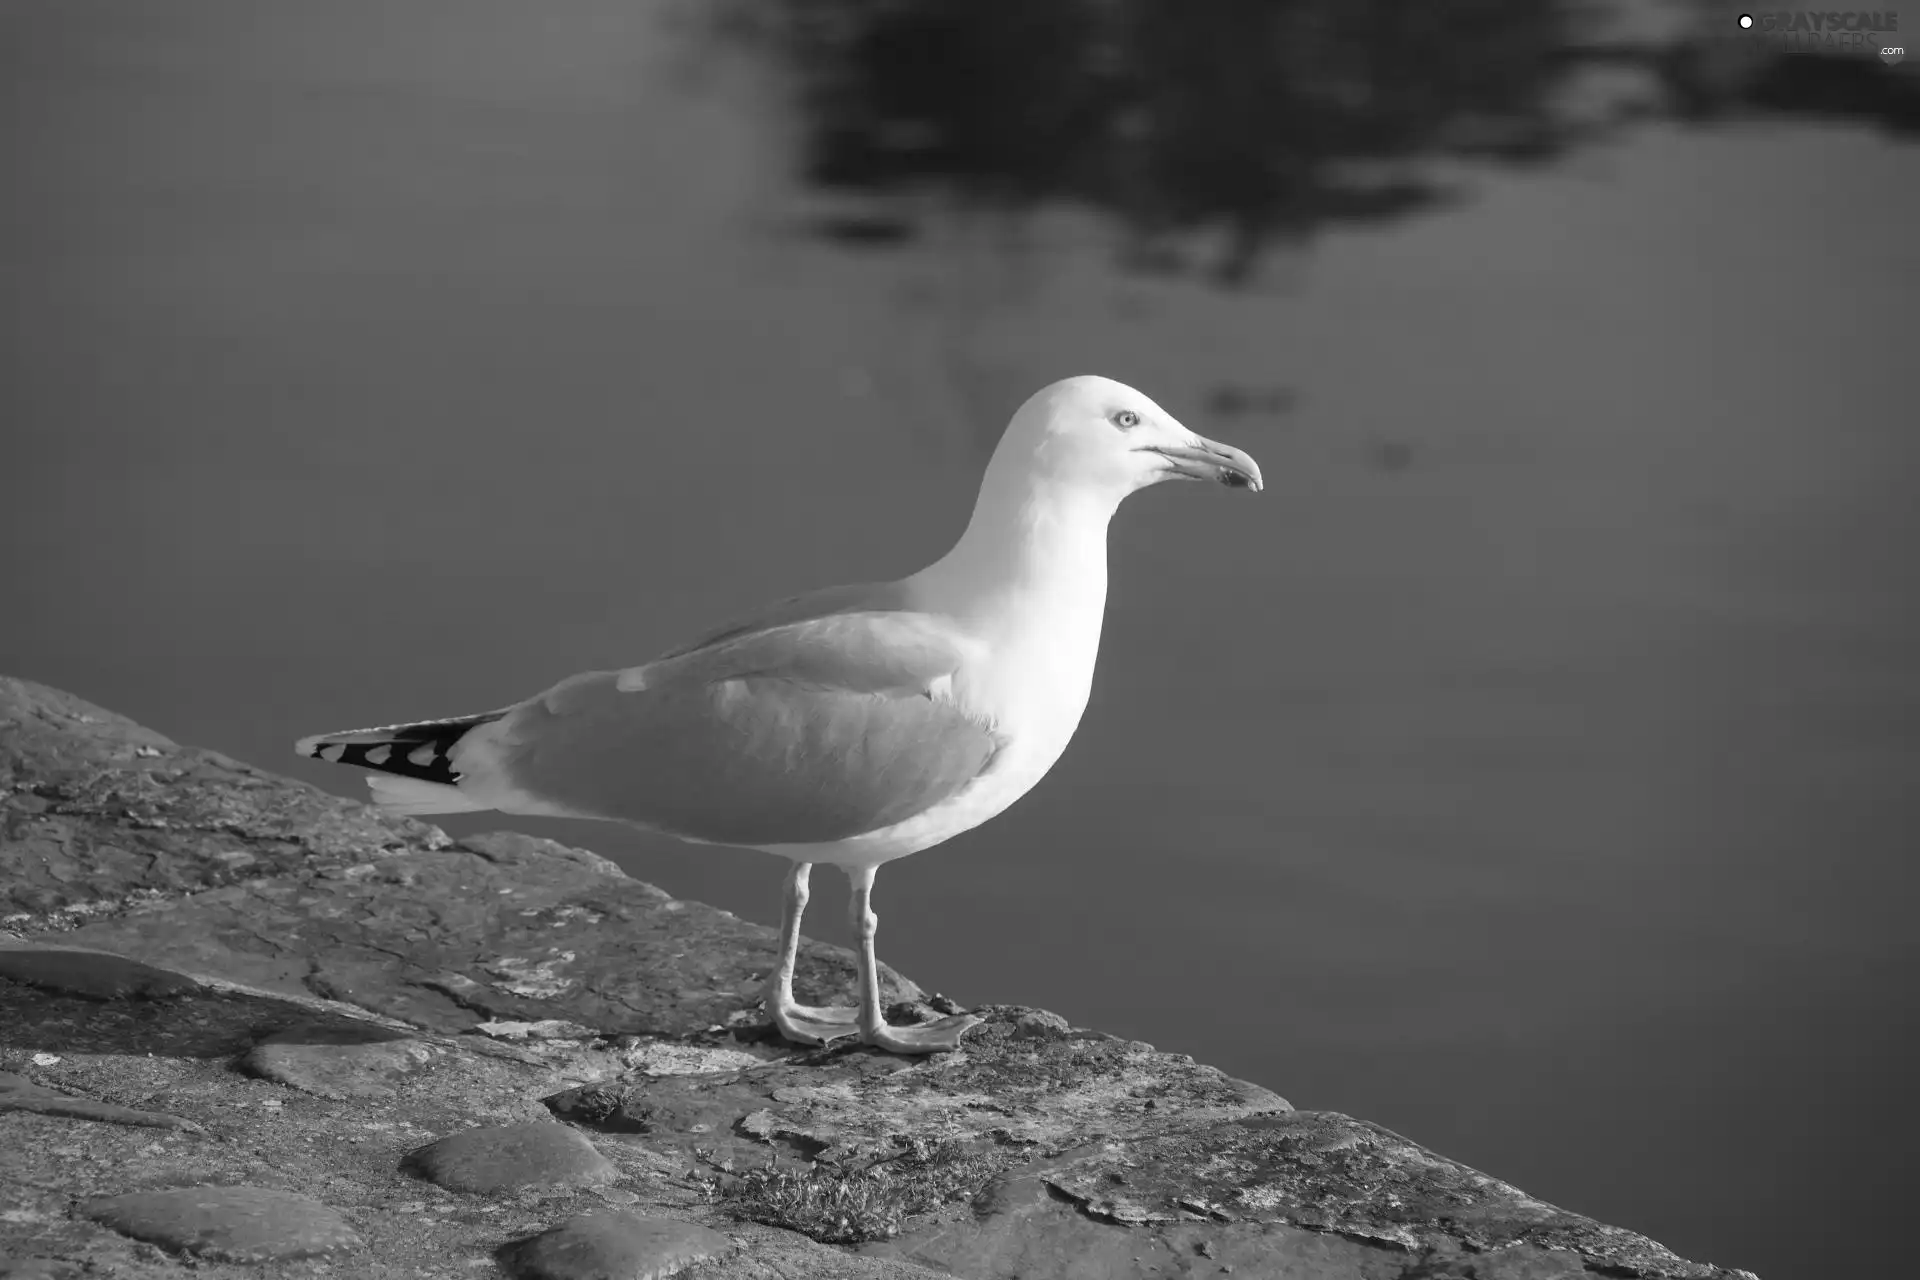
(853, 725)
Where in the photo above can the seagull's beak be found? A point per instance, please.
(1204, 459)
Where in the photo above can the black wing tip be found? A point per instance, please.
(393, 750)
(391, 757)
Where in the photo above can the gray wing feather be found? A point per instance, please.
(869, 652)
(802, 731)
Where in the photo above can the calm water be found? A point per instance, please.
(1534, 768)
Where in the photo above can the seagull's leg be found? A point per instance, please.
(802, 1024)
(928, 1037)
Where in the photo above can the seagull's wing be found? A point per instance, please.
(828, 718)
(834, 639)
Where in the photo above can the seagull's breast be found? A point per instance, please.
(1034, 694)
(1033, 682)
(1030, 683)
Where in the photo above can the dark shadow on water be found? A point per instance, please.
(1254, 118)
(1257, 121)
(1833, 87)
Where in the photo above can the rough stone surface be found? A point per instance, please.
(94, 974)
(1024, 1081)
(614, 1246)
(1259, 1190)
(338, 1061)
(310, 992)
(510, 1157)
(229, 1224)
(104, 815)
(17, 1093)
(39, 1269)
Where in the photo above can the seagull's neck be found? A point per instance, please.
(1035, 548)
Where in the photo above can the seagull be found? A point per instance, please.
(851, 725)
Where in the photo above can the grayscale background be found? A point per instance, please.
(1533, 769)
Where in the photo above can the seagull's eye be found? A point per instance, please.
(1126, 419)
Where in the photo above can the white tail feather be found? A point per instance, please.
(411, 795)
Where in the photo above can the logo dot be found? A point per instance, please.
(1746, 21)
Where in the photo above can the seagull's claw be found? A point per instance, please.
(808, 1024)
(928, 1037)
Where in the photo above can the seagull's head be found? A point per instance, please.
(1103, 437)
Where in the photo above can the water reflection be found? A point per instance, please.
(1257, 120)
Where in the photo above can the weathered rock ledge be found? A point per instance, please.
(247, 1027)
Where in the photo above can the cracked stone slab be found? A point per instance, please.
(454, 938)
(1024, 1079)
(1329, 1172)
(601, 1246)
(95, 975)
(17, 1093)
(39, 1269)
(337, 1061)
(1027, 1230)
(100, 815)
(768, 1253)
(665, 1058)
(545, 1029)
(215, 1019)
(227, 1224)
(514, 1157)
(1295, 1193)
